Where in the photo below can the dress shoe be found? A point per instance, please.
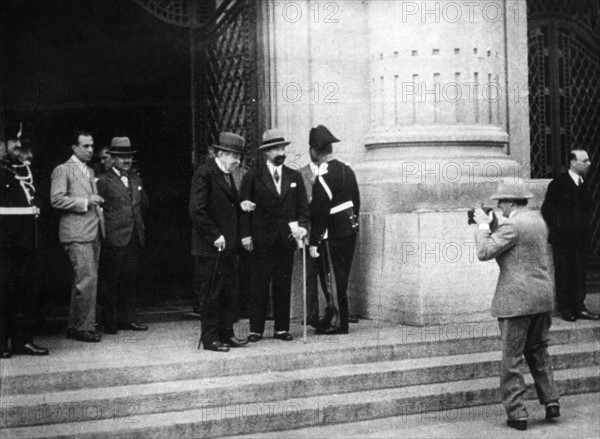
(331, 331)
(285, 336)
(87, 336)
(110, 329)
(517, 424)
(233, 342)
(586, 315)
(568, 316)
(552, 411)
(5, 354)
(216, 346)
(253, 337)
(31, 349)
(133, 326)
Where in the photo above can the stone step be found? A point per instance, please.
(121, 402)
(301, 412)
(158, 365)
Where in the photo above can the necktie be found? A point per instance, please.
(276, 176)
(227, 180)
(125, 180)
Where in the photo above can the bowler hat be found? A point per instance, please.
(230, 142)
(120, 145)
(273, 139)
(320, 137)
(512, 191)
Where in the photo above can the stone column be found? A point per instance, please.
(438, 144)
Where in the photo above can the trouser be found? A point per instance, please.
(271, 268)
(84, 258)
(117, 281)
(315, 274)
(569, 273)
(218, 297)
(525, 336)
(18, 271)
(342, 253)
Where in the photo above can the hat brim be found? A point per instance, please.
(114, 152)
(273, 145)
(225, 148)
(511, 197)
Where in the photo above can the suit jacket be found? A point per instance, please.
(567, 210)
(215, 211)
(334, 187)
(269, 222)
(16, 231)
(520, 247)
(123, 208)
(69, 192)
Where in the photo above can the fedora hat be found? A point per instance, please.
(321, 136)
(120, 145)
(512, 191)
(230, 142)
(272, 139)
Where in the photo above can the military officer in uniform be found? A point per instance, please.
(334, 211)
(18, 248)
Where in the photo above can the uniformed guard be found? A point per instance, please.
(334, 210)
(18, 247)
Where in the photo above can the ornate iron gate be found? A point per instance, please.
(224, 54)
(564, 91)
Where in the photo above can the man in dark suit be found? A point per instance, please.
(125, 202)
(215, 212)
(334, 211)
(280, 216)
(567, 210)
(18, 247)
(523, 300)
(81, 230)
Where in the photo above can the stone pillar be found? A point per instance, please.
(438, 144)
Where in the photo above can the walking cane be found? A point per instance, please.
(212, 284)
(304, 288)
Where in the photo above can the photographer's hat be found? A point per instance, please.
(272, 139)
(320, 137)
(230, 142)
(120, 145)
(516, 190)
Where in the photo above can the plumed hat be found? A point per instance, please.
(320, 137)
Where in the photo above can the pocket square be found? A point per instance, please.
(293, 185)
(139, 188)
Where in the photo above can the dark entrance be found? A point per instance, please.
(564, 85)
(124, 67)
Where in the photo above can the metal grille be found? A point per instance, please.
(175, 12)
(564, 85)
(227, 79)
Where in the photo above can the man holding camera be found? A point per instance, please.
(524, 298)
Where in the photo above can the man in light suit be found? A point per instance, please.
(125, 202)
(524, 298)
(270, 232)
(567, 210)
(81, 229)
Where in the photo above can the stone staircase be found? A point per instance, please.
(375, 372)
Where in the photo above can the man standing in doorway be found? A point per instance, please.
(125, 202)
(270, 231)
(567, 210)
(523, 301)
(81, 229)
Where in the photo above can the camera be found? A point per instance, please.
(471, 214)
